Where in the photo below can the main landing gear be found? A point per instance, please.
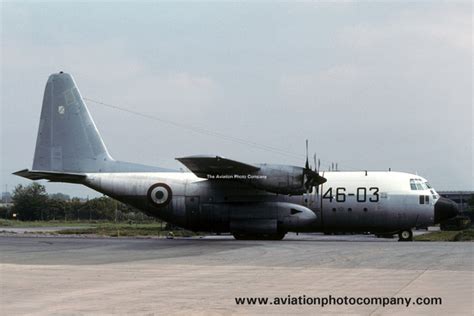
(276, 236)
(405, 235)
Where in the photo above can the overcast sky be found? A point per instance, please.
(371, 85)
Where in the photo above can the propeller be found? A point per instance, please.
(315, 166)
(306, 166)
(312, 177)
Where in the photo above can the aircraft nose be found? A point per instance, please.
(445, 209)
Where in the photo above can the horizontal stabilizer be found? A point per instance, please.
(52, 176)
(202, 166)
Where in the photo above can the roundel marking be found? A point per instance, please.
(159, 194)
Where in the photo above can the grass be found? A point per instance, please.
(17, 223)
(456, 235)
(465, 235)
(101, 228)
(124, 229)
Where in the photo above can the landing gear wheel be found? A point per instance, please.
(276, 236)
(405, 235)
(240, 236)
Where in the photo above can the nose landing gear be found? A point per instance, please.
(405, 235)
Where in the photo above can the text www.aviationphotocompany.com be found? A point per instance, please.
(329, 300)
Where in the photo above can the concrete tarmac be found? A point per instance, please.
(75, 276)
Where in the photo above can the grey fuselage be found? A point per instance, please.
(372, 201)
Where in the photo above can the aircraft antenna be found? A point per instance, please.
(203, 131)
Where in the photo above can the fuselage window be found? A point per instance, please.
(427, 199)
(422, 199)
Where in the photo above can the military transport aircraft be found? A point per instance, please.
(251, 201)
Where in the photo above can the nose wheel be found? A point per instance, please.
(405, 235)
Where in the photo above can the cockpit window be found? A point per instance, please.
(428, 185)
(418, 184)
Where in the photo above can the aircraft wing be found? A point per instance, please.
(202, 166)
(52, 176)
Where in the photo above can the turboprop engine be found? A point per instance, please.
(281, 179)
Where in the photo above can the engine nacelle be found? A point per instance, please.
(279, 179)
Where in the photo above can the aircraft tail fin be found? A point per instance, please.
(68, 140)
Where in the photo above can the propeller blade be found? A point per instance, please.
(313, 179)
(307, 162)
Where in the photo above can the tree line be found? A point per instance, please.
(33, 203)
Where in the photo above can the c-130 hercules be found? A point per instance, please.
(251, 201)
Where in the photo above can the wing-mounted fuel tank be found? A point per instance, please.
(281, 179)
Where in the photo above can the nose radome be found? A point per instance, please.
(445, 209)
